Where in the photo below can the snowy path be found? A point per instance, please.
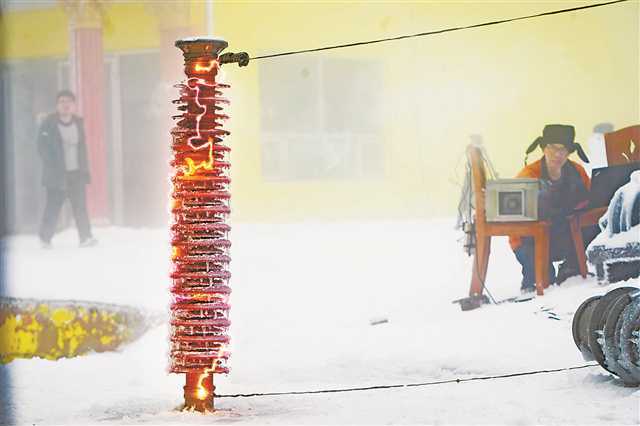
(303, 298)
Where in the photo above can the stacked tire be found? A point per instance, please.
(607, 329)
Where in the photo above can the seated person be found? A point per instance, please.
(564, 188)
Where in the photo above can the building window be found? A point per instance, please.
(321, 119)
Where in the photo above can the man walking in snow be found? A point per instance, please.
(65, 169)
(564, 188)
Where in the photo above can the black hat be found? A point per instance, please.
(559, 134)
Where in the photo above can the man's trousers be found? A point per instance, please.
(76, 192)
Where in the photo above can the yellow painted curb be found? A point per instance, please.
(64, 329)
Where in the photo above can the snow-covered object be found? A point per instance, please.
(629, 336)
(200, 243)
(624, 209)
(606, 329)
(200, 206)
(615, 252)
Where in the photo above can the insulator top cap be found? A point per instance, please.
(201, 46)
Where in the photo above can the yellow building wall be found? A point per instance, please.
(502, 82)
(127, 27)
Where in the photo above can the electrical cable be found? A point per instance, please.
(429, 33)
(406, 385)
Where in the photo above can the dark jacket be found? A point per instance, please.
(558, 201)
(52, 153)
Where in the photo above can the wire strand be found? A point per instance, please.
(442, 31)
(407, 385)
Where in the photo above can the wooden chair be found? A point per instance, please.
(484, 230)
(622, 146)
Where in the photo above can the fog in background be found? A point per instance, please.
(370, 133)
(323, 120)
(353, 149)
(365, 133)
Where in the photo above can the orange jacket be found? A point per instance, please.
(534, 170)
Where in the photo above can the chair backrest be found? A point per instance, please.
(623, 146)
(478, 182)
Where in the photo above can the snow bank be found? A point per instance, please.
(303, 299)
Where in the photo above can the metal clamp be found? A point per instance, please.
(242, 58)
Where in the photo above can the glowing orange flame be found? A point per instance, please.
(198, 82)
(192, 167)
(207, 297)
(205, 68)
(201, 392)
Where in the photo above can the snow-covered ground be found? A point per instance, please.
(304, 298)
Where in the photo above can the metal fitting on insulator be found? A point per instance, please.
(198, 392)
(242, 58)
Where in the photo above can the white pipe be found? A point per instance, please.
(209, 16)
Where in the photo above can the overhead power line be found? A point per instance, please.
(407, 385)
(442, 31)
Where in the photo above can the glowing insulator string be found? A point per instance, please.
(200, 208)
